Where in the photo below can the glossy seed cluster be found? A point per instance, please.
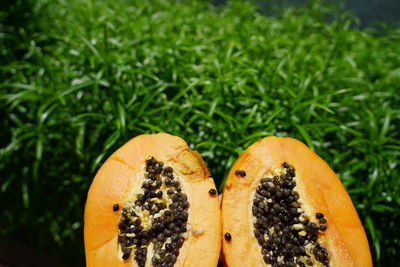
(157, 216)
(241, 173)
(284, 232)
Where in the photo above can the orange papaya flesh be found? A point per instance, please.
(149, 205)
(282, 205)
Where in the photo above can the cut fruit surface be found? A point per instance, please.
(282, 205)
(150, 205)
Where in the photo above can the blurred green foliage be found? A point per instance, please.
(80, 78)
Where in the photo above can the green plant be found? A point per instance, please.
(78, 79)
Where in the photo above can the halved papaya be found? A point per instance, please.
(152, 203)
(282, 205)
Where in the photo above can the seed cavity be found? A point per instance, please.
(228, 237)
(287, 236)
(158, 215)
(240, 173)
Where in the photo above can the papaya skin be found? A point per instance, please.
(122, 172)
(320, 190)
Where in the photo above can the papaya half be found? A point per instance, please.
(282, 205)
(152, 203)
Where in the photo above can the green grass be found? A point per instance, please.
(78, 79)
